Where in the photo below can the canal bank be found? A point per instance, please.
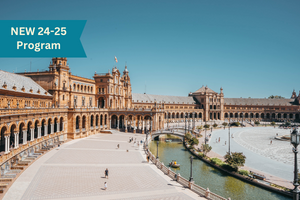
(208, 177)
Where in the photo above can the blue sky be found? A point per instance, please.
(250, 48)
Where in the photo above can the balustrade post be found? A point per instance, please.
(162, 164)
(177, 177)
(207, 193)
(126, 126)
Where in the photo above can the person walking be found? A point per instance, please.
(118, 146)
(106, 173)
(105, 185)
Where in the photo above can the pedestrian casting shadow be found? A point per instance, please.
(102, 188)
(103, 177)
(144, 161)
(180, 186)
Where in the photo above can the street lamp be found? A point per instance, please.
(157, 150)
(295, 142)
(191, 177)
(193, 120)
(229, 135)
(205, 132)
(167, 120)
(185, 123)
(188, 122)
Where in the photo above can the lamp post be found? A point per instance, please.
(167, 120)
(185, 123)
(295, 142)
(205, 132)
(150, 122)
(191, 176)
(157, 150)
(229, 135)
(243, 120)
(193, 121)
(188, 122)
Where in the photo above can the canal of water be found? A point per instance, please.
(209, 177)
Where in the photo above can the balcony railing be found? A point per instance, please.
(12, 111)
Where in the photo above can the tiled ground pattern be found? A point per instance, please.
(74, 156)
(77, 181)
(177, 196)
(258, 141)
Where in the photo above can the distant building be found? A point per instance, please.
(55, 104)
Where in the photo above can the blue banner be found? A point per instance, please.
(41, 38)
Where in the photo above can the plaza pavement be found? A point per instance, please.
(274, 160)
(76, 171)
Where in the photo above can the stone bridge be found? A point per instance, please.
(178, 131)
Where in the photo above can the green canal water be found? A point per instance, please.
(208, 177)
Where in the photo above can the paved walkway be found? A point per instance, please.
(274, 160)
(76, 171)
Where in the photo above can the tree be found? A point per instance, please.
(235, 159)
(273, 123)
(188, 137)
(206, 126)
(215, 125)
(225, 124)
(194, 141)
(199, 128)
(275, 97)
(256, 122)
(206, 148)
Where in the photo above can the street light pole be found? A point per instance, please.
(205, 132)
(229, 135)
(191, 176)
(185, 123)
(157, 150)
(295, 136)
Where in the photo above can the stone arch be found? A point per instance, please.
(13, 129)
(251, 115)
(226, 115)
(36, 124)
(55, 124)
(77, 122)
(49, 125)
(236, 115)
(83, 122)
(181, 115)
(101, 119)
(246, 115)
(268, 115)
(21, 136)
(4, 130)
(97, 120)
(92, 121)
(29, 126)
(262, 115)
(257, 115)
(43, 124)
(61, 124)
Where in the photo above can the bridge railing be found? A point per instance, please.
(188, 184)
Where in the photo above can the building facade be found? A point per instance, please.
(37, 105)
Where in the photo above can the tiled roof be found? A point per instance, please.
(264, 102)
(202, 89)
(149, 98)
(19, 81)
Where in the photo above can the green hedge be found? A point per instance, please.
(244, 172)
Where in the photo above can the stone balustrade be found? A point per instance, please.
(191, 185)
